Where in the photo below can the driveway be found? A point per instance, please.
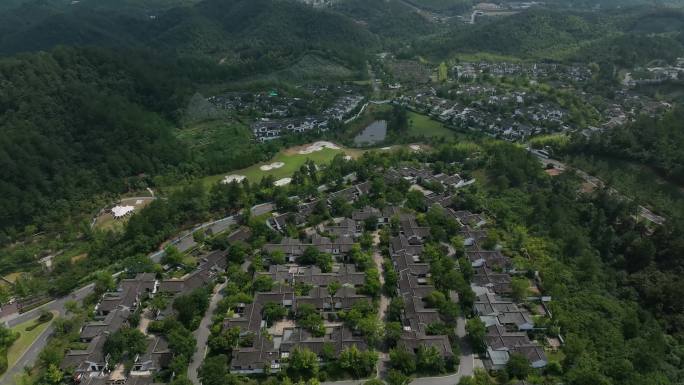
(202, 335)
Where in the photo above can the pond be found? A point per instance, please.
(373, 134)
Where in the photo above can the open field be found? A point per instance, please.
(25, 339)
(424, 125)
(12, 277)
(106, 221)
(291, 160)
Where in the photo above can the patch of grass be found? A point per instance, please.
(485, 56)
(26, 338)
(79, 257)
(421, 125)
(292, 161)
(369, 116)
(12, 277)
(106, 221)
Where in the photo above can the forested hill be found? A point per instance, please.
(657, 142)
(626, 38)
(76, 122)
(242, 31)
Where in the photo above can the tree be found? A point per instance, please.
(125, 342)
(104, 282)
(53, 375)
(262, 283)
(302, 364)
(415, 200)
(309, 318)
(370, 223)
(225, 341)
(191, 307)
(238, 252)
(181, 380)
(333, 287)
(393, 332)
(395, 377)
(477, 332)
(429, 360)
(172, 256)
(366, 240)
(480, 377)
(273, 312)
(518, 366)
(277, 258)
(443, 72)
(358, 363)
(214, 370)
(312, 256)
(372, 285)
(402, 360)
(519, 286)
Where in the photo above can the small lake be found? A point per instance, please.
(373, 134)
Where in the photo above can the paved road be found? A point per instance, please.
(183, 243)
(262, 209)
(31, 355)
(202, 335)
(595, 182)
(56, 305)
(28, 359)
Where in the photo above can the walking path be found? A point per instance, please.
(202, 335)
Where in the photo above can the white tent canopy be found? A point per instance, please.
(122, 211)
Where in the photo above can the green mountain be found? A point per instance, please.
(626, 38)
(273, 32)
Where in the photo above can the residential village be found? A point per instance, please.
(327, 286)
(506, 100)
(276, 115)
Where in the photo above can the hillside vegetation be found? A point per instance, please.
(626, 39)
(245, 33)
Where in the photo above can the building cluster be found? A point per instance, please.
(537, 71)
(413, 286)
(267, 129)
(655, 75)
(626, 108)
(507, 322)
(91, 365)
(498, 113)
(268, 347)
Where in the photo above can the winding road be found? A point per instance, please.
(183, 242)
(31, 354)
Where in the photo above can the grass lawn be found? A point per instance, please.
(106, 220)
(25, 339)
(424, 125)
(12, 277)
(292, 160)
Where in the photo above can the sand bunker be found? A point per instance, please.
(386, 148)
(318, 146)
(272, 166)
(283, 182)
(233, 178)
